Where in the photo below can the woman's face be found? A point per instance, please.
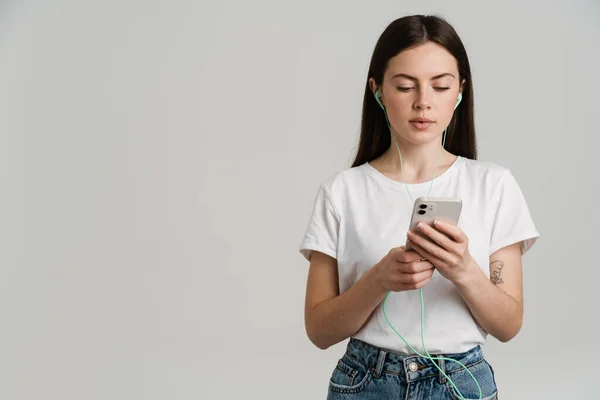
(421, 82)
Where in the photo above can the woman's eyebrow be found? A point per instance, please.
(412, 78)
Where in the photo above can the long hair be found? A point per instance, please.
(401, 34)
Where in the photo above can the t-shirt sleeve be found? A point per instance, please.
(322, 231)
(512, 222)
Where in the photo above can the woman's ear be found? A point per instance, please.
(377, 92)
(373, 86)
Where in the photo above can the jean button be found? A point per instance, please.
(413, 366)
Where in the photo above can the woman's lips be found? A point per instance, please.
(421, 125)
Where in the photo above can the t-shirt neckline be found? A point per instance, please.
(397, 185)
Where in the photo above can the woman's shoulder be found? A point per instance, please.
(487, 170)
(342, 179)
(485, 165)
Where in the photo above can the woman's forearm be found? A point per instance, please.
(339, 318)
(498, 313)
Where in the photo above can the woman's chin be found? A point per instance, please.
(418, 137)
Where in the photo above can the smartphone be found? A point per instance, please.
(428, 209)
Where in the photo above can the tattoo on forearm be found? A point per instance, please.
(495, 278)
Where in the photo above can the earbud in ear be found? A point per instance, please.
(378, 98)
(458, 100)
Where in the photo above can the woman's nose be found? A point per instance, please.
(422, 103)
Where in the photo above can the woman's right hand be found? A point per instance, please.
(402, 270)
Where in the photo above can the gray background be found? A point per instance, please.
(159, 162)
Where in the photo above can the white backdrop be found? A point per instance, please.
(160, 162)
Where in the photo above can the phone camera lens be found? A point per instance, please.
(421, 212)
(423, 206)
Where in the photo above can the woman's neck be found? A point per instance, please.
(419, 162)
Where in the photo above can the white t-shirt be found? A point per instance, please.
(360, 214)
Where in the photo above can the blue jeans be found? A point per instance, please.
(366, 372)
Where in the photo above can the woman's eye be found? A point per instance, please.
(406, 89)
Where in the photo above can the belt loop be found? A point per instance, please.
(380, 361)
(442, 368)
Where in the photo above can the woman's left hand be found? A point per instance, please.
(449, 252)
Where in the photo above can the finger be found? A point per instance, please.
(413, 286)
(412, 279)
(415, 266)
(441, 239)
(433, 259)
(400, 255)
(453, 231)
(430, 247)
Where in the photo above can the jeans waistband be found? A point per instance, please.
(411, 367)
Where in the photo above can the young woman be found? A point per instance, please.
(417, 139)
